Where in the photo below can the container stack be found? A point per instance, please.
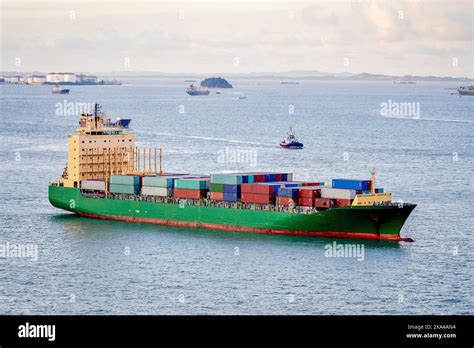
(93, 185)
(307, 195)
(192, 188)
(159, 185)
(129, 184)
(288, 195)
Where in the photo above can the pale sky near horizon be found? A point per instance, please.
(423, 37)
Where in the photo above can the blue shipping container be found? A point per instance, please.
(351, 184)
(291, 192)
(231, 188)
(231, 197)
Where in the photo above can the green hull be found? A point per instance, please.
(368, 222)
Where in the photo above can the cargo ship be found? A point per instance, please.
(108, 177)
(466, 90)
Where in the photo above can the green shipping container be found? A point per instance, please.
(191, 184)
(125, 179)
(217, 187)
(228, 179)
(130, 189)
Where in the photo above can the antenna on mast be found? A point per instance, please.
(97, 109)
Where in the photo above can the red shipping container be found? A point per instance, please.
(278, 177)
(246, 197)
(259, 178)
(306, 202)
(264, 199)
(309, 192)
(343, 202)
(256, 198)
(217, 196)
(257, 188)
(188, 193)
(323, 203)
(285, 201)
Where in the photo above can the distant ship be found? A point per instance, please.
(192, 90)
(290, 142)
(289, 82)
(59, 90)
(401, 82)
(466, 90)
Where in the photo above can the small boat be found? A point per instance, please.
(291, 142)
(59, 90)
(466, 90)
(242, 97)
(192, 90)
(218, 92)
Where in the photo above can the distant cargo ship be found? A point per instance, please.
(59, 90)
(466, 90)
(107, 177)
(289, 82)
(192, 90)
(402, 82)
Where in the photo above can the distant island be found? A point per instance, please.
(216, 82)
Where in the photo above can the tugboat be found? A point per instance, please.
(192, 90)
(466, 90)
(290, 142)
(59, 90)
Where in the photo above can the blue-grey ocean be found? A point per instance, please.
(86, 266)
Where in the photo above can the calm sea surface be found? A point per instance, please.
(87, 266)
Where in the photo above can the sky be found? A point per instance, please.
(418, 37)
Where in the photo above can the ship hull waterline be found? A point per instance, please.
(362, 222)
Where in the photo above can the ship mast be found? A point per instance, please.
(372, 186)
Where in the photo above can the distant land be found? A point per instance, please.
(215, 82)
(284, 75)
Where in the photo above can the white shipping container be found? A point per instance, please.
(96, 185)
(329, 192)
(156, 191)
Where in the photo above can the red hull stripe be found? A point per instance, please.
(175, 223)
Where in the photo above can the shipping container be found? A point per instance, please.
(192, 184)
(323, 203)
(329, 192)
(157, 191)
(309, 192)
(95, 185)
(259, 188)
(379, 190)
(216, 187)
(306, 201)
(231, 197)
(119, 188)
(229, 179)
(312, 183)
(161, 181)
(217, 196)
(291, 192)
(257, 198)
(343, 202)
(232, 189)
(189, 193)
(286, 201)
(352, 184)
(125, 179)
